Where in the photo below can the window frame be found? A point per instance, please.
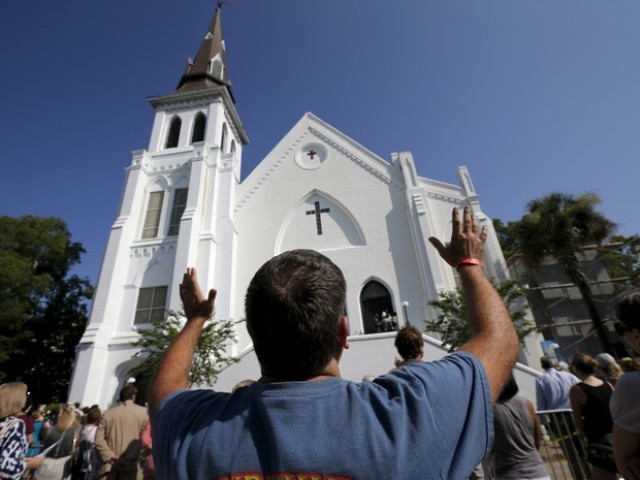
(149, 230)
(177, 210)
(173, 134)
(199, 127)
(151, 308)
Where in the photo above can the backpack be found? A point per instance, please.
(83, 464)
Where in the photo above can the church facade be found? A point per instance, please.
(184, 204)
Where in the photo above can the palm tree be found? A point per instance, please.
(560, 225)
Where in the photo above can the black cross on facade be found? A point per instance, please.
(317, 211)
(311, 154)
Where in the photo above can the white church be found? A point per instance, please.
(184, 204)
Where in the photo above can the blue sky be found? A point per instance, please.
(534, 96)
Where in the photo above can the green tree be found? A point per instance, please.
(505, 237)
(621, 259)
(560, 225)
(58, 325)
(452, 324)
(210, 356)
(43, 309)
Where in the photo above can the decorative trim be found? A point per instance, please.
(152, 250)
(236, 132)
(187, 99)
(260, 181)
(177, 101)
(120, 222)
(355, 159)
(418, 202)
(207, 237)
(226, 162)
(189, 213)
(327, 140)
(442, 197)
(159, 169)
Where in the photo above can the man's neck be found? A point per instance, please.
(331, 370)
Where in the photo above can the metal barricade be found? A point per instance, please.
(562, 449)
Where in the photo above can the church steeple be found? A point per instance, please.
(209, 69)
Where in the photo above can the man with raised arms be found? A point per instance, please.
(301, 420)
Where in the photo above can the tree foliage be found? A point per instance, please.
(452, 324)
(210, 356)
(621, 259)
(43, 309)
(560, 225)
(505, 235)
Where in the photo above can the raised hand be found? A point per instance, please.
(467, 239)
(194, 302)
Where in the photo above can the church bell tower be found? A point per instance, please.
(176, 211)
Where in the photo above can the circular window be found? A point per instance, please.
(311, 156)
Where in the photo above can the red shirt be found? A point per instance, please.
(28, 423)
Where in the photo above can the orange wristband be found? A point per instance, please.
(468, 262)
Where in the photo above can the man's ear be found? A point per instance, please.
(343, 332)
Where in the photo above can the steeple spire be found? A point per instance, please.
(209, 69)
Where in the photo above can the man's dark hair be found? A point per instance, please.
(547, 362)
(293, 306)
(409, 342)
(128, 392)
(628, 311)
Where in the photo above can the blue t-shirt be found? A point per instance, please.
(431, 420)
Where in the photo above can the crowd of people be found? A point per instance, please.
(606, 416)
(74, 443)
(300, 419)
(386, 321)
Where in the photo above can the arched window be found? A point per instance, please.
(215, 67)
(199, 125)
(377, 308)
(174, 133)
(233, 147)
(223, 138)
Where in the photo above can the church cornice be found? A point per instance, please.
(438, 190)
(163, 162)
(444, 198)
(187, 98)
(180, 100)
(161, 169)
(355, 159)
(154, 247)
(360, 162)
(191, 105)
